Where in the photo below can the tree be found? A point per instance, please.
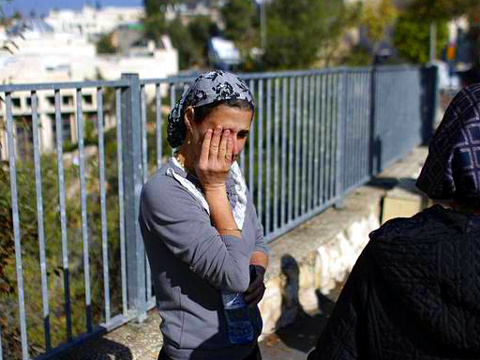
(105, 46)
(291, 32)
(412, 37)
(358, 56)
(298, 30)
(434, 10)
(188, 53)
(340, 18)
(239, 18)
(154, 22)
(411, 34)
(201, 29)
(376, 17)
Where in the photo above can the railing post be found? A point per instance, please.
(341, 121)
(132, 180)
(430, 99)
(375, 149)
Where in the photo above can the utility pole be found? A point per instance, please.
(263, 24)
(433, 41)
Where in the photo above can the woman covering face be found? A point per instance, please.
(202, 236)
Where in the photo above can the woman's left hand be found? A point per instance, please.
(255, 291)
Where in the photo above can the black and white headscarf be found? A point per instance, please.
(208, 88)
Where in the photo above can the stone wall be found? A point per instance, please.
(321, 265)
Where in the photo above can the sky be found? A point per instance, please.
(41, 7)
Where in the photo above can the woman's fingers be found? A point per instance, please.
(215, 143)
(215, 157)
(228, 154)
(206, 146)
(223, 146)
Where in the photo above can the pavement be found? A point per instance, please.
(297, 340)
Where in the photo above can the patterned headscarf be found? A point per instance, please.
(208, 88)
(452, 168)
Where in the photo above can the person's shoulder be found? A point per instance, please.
(167, 190)
(398, 227)
(159, 180)
(402, 241)
(432, 224)
(162, 184)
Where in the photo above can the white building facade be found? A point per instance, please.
(92, 22)
(45, 56)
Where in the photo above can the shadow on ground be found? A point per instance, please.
(296, 340)
(98, 349)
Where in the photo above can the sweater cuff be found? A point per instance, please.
(235, 244)
(262, 247)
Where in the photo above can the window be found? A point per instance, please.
(88, 99)
(67, 100)
(16, 103)
(66, 127)
(24, 137)
(51, 100)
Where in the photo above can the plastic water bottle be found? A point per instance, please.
(237, 312)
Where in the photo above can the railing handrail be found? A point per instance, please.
(63, 85)
(121, 83)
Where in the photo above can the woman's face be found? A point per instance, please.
(236, 120)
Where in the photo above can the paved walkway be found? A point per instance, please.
(295, 341)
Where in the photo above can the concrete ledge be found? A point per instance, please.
(317, 256)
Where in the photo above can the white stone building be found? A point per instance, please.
(92, 22)
(42, 55)
(189, 10)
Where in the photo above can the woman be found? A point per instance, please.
(199, 224)
(414, 293)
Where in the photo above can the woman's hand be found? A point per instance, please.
(215, 159)
(255, 291)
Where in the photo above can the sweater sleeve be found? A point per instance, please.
(345, 336)
(171, 214)
(260, 243)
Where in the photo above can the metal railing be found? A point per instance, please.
(316, 136)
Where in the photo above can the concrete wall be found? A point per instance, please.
(317, 270)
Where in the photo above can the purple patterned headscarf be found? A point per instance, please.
(452, 168)
(208, 88)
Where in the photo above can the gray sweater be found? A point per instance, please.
(191, 263)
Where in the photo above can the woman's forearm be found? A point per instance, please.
(221, 211)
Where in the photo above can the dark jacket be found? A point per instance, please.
(414, 293)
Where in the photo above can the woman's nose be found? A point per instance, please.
(236, 147)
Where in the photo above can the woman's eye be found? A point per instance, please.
(242, 135)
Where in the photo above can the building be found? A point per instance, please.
(42, 55)
(188, 10)
(91, 22)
